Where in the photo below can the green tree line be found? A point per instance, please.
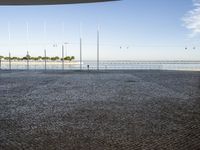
(28, 57)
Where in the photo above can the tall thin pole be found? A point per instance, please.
(9, 34)
(9, 41)
(44, 28)
(27, 37)
(98, 48)
(65, 49)
(27, 34)
(63, 46)
(80, 47)
(27, 57)
(9, 61)
(80, 53)
(62, 57)
(45, 53)
(45, 60)
(63, 32)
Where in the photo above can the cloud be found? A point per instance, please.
(192, 19)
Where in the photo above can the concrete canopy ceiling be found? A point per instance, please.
(47, 2)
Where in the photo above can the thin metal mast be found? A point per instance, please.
(81, 47)
(98, 48)
(62, 57)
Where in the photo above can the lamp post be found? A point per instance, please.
(98, 48)
(45, 60)
(63, 57)
(9, 61)
(27, 59)
(65, 48)
(81, 47)
(80, 53)
(9, 41)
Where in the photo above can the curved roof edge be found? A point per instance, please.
(48, 2)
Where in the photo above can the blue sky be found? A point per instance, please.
(129, 29)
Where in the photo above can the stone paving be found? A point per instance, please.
(110, 110)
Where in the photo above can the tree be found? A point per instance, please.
(18, 58)
(72, 58)
(24, 58)
(6, 58)
(39, 57)
(67, 58)
(34, 58)
(14, 58)
(45, 58)
(1, 57)
(27, 57)
(55, 58)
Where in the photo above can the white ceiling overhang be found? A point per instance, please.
(47, 2)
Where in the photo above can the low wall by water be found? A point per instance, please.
(104, 65)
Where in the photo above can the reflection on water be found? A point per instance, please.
(105, 65)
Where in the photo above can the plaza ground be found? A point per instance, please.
(106, 110)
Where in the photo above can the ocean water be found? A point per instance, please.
(105, 65)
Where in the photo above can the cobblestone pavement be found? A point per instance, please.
(113, 110)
